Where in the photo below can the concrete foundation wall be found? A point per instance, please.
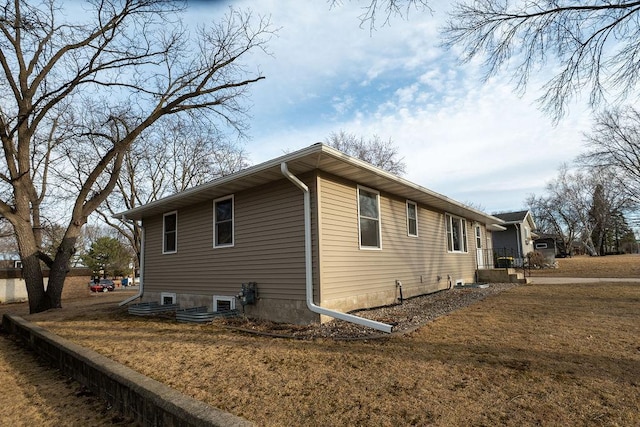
(296, 311)
(282, 310)
(493, 275)
(501, 275)
(276, 310)
(378, 299)
(149, 402)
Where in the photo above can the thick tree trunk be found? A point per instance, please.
(59, 271)
(41, 299)
(33, 277)
(591, 249)
(31, 268)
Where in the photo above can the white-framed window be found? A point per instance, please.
(541, 246)
(167, 298)
(170, 233)
(223, 222)
(223, 303)
(412, 219)
(456, 233)
(369, 218)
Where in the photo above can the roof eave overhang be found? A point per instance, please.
(314, 157)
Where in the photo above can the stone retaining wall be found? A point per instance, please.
(148, 401)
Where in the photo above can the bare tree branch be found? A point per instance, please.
(383, 154)
(389, 9)
(595, 46)
(614, 142)
(77, 96)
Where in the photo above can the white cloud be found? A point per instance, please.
(471, 141)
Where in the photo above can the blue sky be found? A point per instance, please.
(475, 142)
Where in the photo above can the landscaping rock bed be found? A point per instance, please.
(405, 317)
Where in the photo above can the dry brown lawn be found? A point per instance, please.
(533, 355)
(612, 266)
(34, 394)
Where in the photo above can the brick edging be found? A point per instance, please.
(148, 401)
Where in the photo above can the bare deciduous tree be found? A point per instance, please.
(594, 45)
(389, 9)
(579, 205)
(80, 93)
(614, 142)
(175, 155)
(552, 215)
(383, 154)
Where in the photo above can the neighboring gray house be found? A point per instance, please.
(318, 231)
(517, 240)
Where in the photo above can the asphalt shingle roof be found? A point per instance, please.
(512, 216)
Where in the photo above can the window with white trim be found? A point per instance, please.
(541, 246)
(369, 218)
(223, 222)
(456, 233)
(170, 233)
(412, 219)
(223, 303)
(167, 298)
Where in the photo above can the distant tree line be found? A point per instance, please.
(587, 208)
(597, 204)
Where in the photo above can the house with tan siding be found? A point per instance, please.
(319, 233)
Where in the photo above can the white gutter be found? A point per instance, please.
(141, 289)
(309, 266)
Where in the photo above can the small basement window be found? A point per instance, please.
(224, 303)
(541, 246)
(167, 298)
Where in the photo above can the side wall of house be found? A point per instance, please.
(354, 278)
(268, 249)
(527, 238)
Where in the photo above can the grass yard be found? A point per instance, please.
(34, 394)
(615, 266)
(532, 355)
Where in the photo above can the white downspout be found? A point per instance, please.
(141, 289)
(309, 266)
